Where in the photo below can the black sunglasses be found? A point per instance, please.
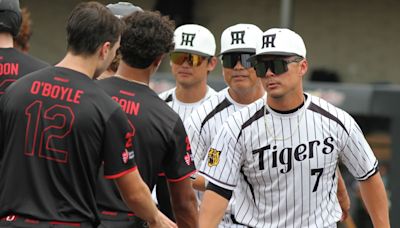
(277, 66)
(229, 60)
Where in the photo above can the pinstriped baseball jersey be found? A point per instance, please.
(184, 110)
(203, 125)
(288, 161)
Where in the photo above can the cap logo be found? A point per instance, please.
(237, 37)
(187, 39)
(268, 41)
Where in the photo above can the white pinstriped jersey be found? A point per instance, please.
(203, 125)
(288, 161)
(183, 109)
(207, 120)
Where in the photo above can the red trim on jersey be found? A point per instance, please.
(127, 93)
(161, 174)
(33, 221)
(76, 224)
(115, 213)
(61, 79)
(121, 173)
(111, 213)
(182, 178)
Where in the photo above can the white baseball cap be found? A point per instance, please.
(240, 38)
(122, 9)
(194, 39)
(280, 41)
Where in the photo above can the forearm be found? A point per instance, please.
(184, 204)
(137, 197)
(199, 183)
(343, 196)
(212, 209)
(375, 199)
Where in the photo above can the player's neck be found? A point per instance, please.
(247, 96)
(286, 103)
(6, 40)
(83, 64)
(128, 73)
(191, 94)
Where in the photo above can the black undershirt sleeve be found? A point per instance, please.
(227, 194)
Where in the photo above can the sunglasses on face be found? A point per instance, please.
(192, 59)
(277, 66)
(230, 60)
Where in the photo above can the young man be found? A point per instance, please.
(13, 63)
(56, 129)
(287, 149)
(191, 62)
(238, 43)
(159, 141)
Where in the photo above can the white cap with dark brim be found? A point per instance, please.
(280, 41)
(240, 38)
(196, 39)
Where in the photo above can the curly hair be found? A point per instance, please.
(146, 36)
(21, 41)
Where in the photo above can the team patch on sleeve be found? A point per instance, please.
(213, 157)
(127, 155)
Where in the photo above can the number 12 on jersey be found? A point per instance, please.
(45, 127)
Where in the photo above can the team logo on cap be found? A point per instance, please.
(213, 157)
(268, 41)
(237, 37)
(187, 39)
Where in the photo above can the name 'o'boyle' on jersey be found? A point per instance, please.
(289, 162)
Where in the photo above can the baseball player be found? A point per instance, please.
(13, 63)
(238, 43)
(191, 61)
(57, 127)
(287, 149)
(160, 140)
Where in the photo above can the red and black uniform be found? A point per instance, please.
(14, 64)
(160, 142)
(56, 129)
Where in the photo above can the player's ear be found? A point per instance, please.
(104, 50)
(303, 67)
(212, 63)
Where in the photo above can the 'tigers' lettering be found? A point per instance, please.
(301, 152)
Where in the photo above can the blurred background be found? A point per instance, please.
(352, 50)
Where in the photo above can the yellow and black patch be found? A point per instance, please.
(213, 157)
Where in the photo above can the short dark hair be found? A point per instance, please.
(146, 36)
(91, 24)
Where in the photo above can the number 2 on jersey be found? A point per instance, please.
(45, 127)
(319, 173)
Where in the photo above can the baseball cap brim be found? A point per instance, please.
(192, 52)
(242, 50)
(253, 58)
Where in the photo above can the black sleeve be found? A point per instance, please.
(179, 163)
(227, 194)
